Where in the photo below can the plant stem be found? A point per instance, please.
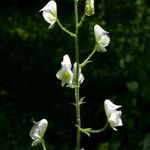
(82, 19)
(64, 29)
(88, 58)
(100, 130)
(43, 145)
(77, 99)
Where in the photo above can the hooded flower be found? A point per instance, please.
(113, 116)
(66, 75)
(50, 13)
(89, 7)
(101, 37)
(37, 131)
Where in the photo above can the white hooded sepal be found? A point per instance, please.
(101, 37)
(38, 130)
(113, 116)
(66, 63)
(49, 12)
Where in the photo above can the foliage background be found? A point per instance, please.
(30, 56)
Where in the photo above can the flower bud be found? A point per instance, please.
(89, 7)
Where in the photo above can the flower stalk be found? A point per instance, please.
(89, 57)
(77, 97)
(43, 145)
(99, 130)
(64, 29)
(82, 20)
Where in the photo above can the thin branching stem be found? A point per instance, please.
(82, 19)
(89, 57)
(99, 130)
(64, 29)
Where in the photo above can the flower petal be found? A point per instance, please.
(66, 63)
(110, 106)
(34, 133)
(100, 48)
(50, 13)
(119, 123)
(99, 31)
(101, 37)
(80, 76)
(35, 142)
(38, 129)
(48, 17)
(66, 75)
(51, 5)
(42, 125)
(113, 121)
(113, 116)
(105, 39)
(51, 25)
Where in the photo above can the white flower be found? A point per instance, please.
(65, 74)
(89, 7)
(113, 116)
(50, 13)
(37, 131)
(102, 39)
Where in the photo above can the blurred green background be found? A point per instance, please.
(30, 56)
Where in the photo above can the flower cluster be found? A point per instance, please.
(37, 131)
(113, 116)
(68, 76)
(72, 76)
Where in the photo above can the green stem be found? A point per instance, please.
(64, 29)
(43, 145)
(78, 120)
(89, 57)
(100, 130)
(82, 19)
